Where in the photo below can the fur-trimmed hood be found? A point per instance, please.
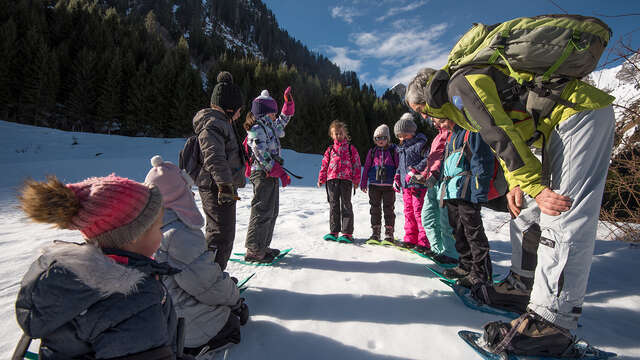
(69, 278)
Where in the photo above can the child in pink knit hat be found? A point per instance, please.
(95, 299)
(205, 296)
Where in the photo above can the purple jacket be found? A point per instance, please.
(380, 166)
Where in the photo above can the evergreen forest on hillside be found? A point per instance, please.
(143, 68)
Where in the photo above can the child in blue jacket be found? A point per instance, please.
(466, 177)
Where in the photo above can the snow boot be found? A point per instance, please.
(331, 237)
(388, 234)
(529, 335)
(455, 273)
(511, 294)
(346, 238)
(273, 252)
(407, 245)
(424, 250)
(263, 257)
(375, 233)
(444, 259)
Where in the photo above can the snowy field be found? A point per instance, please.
(324, 300)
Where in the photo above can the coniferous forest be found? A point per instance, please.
(143, 68)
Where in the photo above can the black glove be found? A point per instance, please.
(241, 310)
(226, 194)
(431, 182)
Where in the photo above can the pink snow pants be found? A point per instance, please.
(413, 231)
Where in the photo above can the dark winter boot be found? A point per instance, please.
(388, 234)
(263, 257)
(408, 245)
(426, 251)
(375, 233)
(455, 273)
(273, 252)
(529, 335)
(512, 294)
(468, 281)
(444, 259)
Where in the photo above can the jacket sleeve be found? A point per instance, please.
(365, 170)
(481, 166)
(322, 176)
(257, 140)
(280, 123)
(422, 159)
(481, 101)
(212, 145)
(357, 165)
(201, 276)
(434, 160)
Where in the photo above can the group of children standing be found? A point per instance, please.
(443, 185)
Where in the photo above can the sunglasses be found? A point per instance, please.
(378, 138)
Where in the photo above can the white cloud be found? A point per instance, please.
(342, 59)
(345, 13)
(410, 43)
(397, 10)
(404, 75)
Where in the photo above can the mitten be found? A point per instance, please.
(226, 194)
(241, 310)
(277, 170)
(397, 186)
(285, 180)
(289, 106)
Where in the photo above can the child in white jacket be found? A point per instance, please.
(203, 295)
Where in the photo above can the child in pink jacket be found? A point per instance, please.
(340, 171)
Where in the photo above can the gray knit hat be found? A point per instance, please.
(405, 125)
(382, 130)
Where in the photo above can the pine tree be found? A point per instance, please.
(8, 53)
(109, 107)
(81, 104)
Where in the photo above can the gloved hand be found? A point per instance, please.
(397, 186)
(226, 194)
(285, 180)
(289, 106)
(241, 310)
(278, 171)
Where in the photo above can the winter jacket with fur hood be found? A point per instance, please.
(201, 292)
(83, 304)
(222, 161)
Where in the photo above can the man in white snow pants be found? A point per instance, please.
(564, 190)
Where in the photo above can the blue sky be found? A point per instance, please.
(388, 41)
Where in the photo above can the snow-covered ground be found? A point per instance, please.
(325, 300)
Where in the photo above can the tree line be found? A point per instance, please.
(79, 65)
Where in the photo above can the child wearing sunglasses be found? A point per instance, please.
(378, 171)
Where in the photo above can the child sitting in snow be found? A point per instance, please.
(379, 170)
(203, 295)
(340, 171)
(412, 156)
(102, 298)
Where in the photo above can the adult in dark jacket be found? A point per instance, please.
(222, 170)
(102, 299)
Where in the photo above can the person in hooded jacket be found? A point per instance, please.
(102, 298)
(575, 134)
(205, 296)
(222, 171)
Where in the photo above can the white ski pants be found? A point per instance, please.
(578, 155)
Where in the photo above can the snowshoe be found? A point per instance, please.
(243, 259)
(345, 238)
(330, 237)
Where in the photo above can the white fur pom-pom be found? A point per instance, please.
(156, 160)
(265, 93)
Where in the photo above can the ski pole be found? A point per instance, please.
(292, 174)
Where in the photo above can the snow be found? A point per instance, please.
(232, 42)
(324, 300)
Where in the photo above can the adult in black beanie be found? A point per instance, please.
(222, 170)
